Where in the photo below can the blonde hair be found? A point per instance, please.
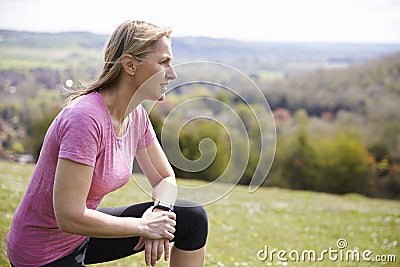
(133, 37)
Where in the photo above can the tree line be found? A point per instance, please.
(337, 130)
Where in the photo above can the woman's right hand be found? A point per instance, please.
(158, 225)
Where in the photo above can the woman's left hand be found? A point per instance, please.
(153, 249)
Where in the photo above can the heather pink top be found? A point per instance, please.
(82, 132)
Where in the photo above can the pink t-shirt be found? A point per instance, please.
(82, 132)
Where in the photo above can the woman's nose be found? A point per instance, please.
(171, 74)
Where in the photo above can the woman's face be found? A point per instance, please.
(154, 73)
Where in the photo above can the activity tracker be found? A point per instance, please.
(163, 206)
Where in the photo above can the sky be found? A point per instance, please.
(348, 21)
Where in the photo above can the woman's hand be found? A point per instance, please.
(159, 227)
(153, 249)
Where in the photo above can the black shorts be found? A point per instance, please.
(191, 234)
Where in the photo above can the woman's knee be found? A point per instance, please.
(199, 214)
(192, 210)
(192, 225)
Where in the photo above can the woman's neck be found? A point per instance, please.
(120, 102)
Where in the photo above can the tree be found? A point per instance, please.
(341, 163)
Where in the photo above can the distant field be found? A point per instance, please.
(27, 58)
(241, 224)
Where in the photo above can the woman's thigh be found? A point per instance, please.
(107, 249)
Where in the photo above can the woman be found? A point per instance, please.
(84, 157)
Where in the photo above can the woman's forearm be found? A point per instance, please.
(94, 223)
(166, 190)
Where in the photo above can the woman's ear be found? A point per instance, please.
(128, 64)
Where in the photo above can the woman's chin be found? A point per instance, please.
(162, 98)
(159, 97)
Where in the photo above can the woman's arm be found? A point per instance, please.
(158, 171)
(71, 187)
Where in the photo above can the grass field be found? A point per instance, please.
(242, 224)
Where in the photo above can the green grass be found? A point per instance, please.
(241, 224)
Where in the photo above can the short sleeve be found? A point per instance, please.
(79, 137)
(149, 136)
